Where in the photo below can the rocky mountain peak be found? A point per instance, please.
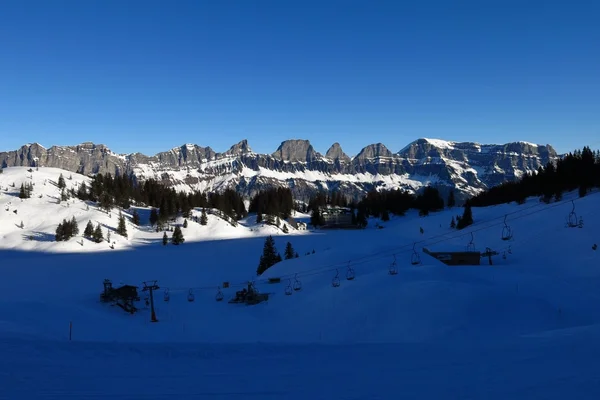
(296, 150)
(374, 151)
(241, 147)
(335, 153)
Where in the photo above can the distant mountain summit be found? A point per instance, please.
(466, 167)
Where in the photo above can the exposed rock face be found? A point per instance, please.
(296, 150)
(335, 153)
(467, 167)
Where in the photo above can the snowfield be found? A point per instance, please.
(525, 327)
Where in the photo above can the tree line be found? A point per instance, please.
(577, 170)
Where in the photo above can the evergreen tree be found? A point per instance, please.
(97, 235)
(269, 256)
(165, 239)
(285, 229)
(22, 194)
(135, 218)
(316, 218)
(289, 251)
(451, 200)
(153, 216)
(74, 226)
(61, 182)
(385, 215)
(22, 225)
(185, 223)
(296, 255)
(108, 235)
(82, 192)
(177, 236)
(122, 227)
(203, 217)
(89, 230)
(466, 219)
(63, 195)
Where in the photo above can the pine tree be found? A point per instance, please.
(122, 227)
(97, 235)
(289, 251)
(135, 218)
(22, 194)
(203, 217)
(385, 215)
(63, 195)
(177, 236)
(60, 233)
(296, 255)
(316, 218)
(285, 229)
(22, 225)
(269, 256)
(165, 239)
(451, 200)
(108, 235)
(466, 219)
(89, 230)
(153, 216)
(74, 227)
(185, 223)
(61, 182)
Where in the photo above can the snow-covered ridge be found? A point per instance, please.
(469, 167)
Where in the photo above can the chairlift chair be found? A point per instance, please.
(350, 273)
(415, 258)
(288, 288)
(572, 221)
(190, 295)
(166, 296)
(335, 282)
(471, 245)
(393, 269)
(297, 284)
(506, 231)
(219, 296)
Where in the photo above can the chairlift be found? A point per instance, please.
(572, 221)
(288, 288)
(506, 231)
(580, 222)
(297, 283)
(219, 296)
(471, 245)
(393, 269)
(336, 279)
(166, 295)
(350, 273)
(415, 258)
(190, 295)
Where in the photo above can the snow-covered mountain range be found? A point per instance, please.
(468, 167)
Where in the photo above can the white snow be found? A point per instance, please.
(525, 327)
(442, 144)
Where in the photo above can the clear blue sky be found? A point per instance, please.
(151, 75)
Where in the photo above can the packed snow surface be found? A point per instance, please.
(525, 327)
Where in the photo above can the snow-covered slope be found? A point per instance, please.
(524, 327)
(42, 213)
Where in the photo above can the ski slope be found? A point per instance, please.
(524, 327)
